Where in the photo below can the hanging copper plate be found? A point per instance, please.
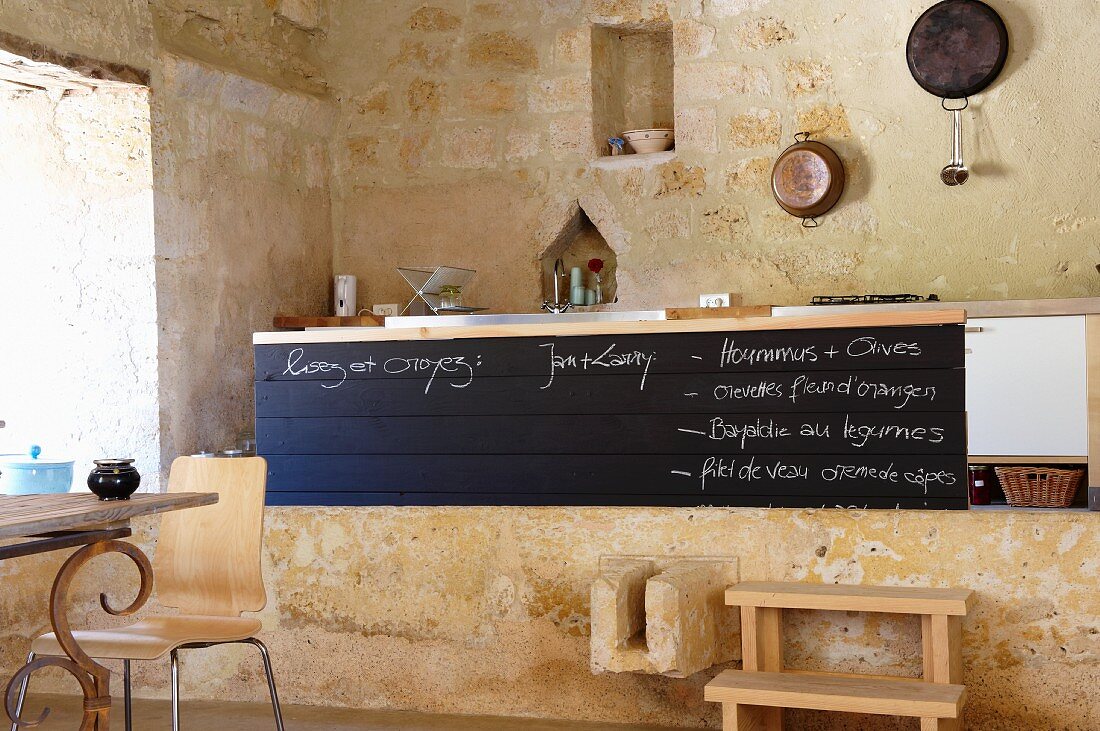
(808, 178)
(957, 48)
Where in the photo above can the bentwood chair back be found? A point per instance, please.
(207, 565)
(207, 560)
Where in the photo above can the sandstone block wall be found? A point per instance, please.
(469, 173)
(464, 134)
(486, 610)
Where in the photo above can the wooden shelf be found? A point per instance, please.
(876, 695)
(1027, 459)
(298, 322)
(1003, 508)
(842, 597)
(577, 329)
(696, 313)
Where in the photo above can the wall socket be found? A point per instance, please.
(385, 310)
(714, 300)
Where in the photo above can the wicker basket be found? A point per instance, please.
(1039, 487)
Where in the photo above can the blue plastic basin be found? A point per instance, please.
(22, 475)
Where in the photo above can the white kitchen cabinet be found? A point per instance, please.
(1026, 386)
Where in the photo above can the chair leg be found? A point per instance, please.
(270, 681)
(127, 697)
(175, 690)
(22, 694)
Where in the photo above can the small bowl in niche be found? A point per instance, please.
(643, 141)
(114, 479)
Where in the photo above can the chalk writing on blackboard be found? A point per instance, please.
(849, 418)
(432, 368)
(610, 359)
(746, 470)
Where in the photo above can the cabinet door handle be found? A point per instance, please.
(973, 329)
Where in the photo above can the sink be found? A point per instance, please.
(542, 318)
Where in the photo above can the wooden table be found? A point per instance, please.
(55, 522)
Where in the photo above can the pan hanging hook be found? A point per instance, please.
(955, 172)
(809, 222)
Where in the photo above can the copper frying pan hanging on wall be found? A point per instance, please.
(957, 48)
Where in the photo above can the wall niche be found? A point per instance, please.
(632, 79)
(579, 242)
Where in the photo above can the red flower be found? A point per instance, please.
(595, 265)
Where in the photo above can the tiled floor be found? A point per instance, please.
(206, 716)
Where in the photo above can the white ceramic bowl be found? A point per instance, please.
(650, 140)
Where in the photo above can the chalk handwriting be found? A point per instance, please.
(297, 366)
(460, 366)
(437, 366)
(609, 359)
(864, 346)
(733, 355)
(859, 434)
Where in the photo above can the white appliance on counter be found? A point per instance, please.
(344, 295)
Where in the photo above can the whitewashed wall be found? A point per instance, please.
(78, 315)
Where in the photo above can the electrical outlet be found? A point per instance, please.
(714, 300)
(385, 310)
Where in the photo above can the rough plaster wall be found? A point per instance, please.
(118, 31)
(275, 41)
(455, 106)
(648, 80)
(485, 610)
(243, 232)
(77, 291)
(240, 174)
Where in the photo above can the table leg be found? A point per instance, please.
(94, 679)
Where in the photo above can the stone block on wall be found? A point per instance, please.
(663, 616)
(305, 14)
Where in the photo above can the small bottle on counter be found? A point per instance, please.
(980, 479)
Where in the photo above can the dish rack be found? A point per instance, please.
(428, 282)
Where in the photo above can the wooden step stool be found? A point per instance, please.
(753, 698)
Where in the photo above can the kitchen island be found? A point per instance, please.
(845, 410)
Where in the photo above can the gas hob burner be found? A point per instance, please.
(872, 299)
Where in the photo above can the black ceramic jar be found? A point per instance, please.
(114, 479)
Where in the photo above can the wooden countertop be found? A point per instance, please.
(858, 318)
(983, 308)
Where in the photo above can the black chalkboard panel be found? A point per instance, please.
(737, 352)
(551, 499)
(811, 418)
(707, 393)
(854, 433)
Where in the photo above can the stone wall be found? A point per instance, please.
(469, 129)
(464, 135)
(240, 125)
(243, 232)
(486, 610)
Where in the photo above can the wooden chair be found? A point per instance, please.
(207, 565)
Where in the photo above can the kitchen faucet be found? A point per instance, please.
(557, 306)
